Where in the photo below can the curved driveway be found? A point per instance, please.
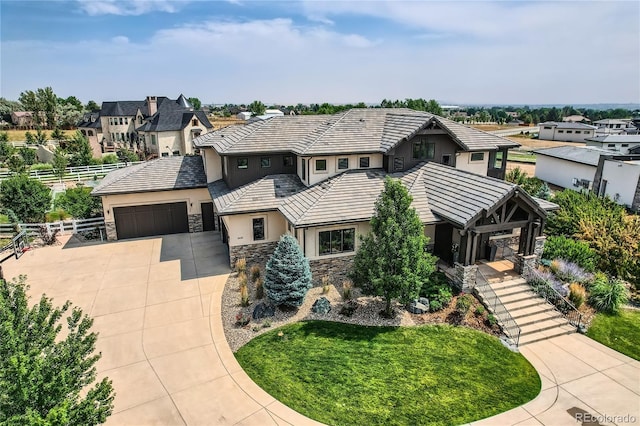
(156, 304)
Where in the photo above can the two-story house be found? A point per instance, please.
(318, 177)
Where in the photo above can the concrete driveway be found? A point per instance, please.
(156, 304)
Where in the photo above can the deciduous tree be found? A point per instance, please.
(195, 102)
(28, 198)
(46, 379)
(257, 108)
(392, 261)
(79, 203)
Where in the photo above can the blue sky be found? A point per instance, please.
(324, 51)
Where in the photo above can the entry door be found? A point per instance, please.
(208, 220)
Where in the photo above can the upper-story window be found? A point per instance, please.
(194, 122)
(364, 162)
(287, 161)
(321, 165)
(398, 164)
(243, 163)
(121, 120)
(153, 139)
(343, 163)
(265, 162)
(424, 150)
(126, 120)
(477, 156)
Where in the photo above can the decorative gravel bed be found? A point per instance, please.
(366, 314)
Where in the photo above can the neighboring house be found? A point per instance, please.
(244, 115)
(515, 123)
(612, 126)
(156, 127)
(565, 131)
(617, 143)
(91, 128)
(576, 119)
(588, 168)
(318, 178)
(22, 119)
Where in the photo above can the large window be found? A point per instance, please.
(258, 228)
(477, 156)
(337, 241)
(343, 163)
(321, 165)
(243, 163)
(364, 162)
(424, 150)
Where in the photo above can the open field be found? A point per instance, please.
(490, 127)
(528, 168)
(528, 144)
(18, 135)
(220, 122)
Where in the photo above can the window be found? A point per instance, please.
(194, 122)
(118, 137)
(398, 164)
(547, 127)
(304, 169)
(364, 162)
(287, 161)
(140, 119)
(446, 159)
(113, 136)
(577, 131)
(624, 145)
(153, 139)
(343, 163)
(560, 131)
(176, 153)
(477, 156)
(423, 150)
(258, 228)
(90, 133)
(243, 163)
(121, 122)
(265, 162)
(165, 154)
(611, 145)
(321, 165)
(126, 135)
(569, 131)
(126, 120)
(337, 241)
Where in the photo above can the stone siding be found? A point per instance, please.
(538, 247)
(336, 268)
(195, 223)
(465, 276)
(525, 264)
(110, 228)
(253, 253)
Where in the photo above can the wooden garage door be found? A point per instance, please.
(153, 219)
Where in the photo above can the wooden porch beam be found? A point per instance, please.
(500, 226)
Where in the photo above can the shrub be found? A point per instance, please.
(242, 280)
(479, 310)
(436, 281)
(259, 288)
(540, 281)
(577, 294)
(241, 265)
(463, 304)
(242, 319)
(348, 308)
(79, 203)
(570, 272)
(492, 320)
(443, 296)
(325, 285)
(579, 252)
(255, 273)
(288, 275)
(266, 324)
(608, 295)
(435, 305)
(244, 296)
(347, 287)
(48, 238)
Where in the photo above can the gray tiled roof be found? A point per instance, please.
(616, 139)
(578, 154)
(125, 108)
(349, 197)
(567, 125)
(172, 116)
(353, 131)
(262, 195)
(163, 174)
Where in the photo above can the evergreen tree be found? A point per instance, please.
(288, 274)
(392, 261)
(45, 380)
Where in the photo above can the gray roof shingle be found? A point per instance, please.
(358, 130)
(163, 174)
(567, 125)
(578, 154)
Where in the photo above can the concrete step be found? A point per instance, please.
(538, 318)
(507, 284)
(542, 325)
(518, 297)
(515, 289)
(536, 309)
(547, 334)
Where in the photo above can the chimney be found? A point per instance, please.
(152, 103)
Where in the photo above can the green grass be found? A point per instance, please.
(620, 332)
(343, 374)
(519, 156)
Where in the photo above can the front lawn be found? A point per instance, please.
(344, 374)
(620, 332)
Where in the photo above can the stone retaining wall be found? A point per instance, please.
(465, 276)
(253, 253)
(336, 268)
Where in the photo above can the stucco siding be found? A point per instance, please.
(554, 134)
(310, 239)
(562, 172)
(315, 176)
(240, 227)
(621, 178)
(464, 162)
(212, 164)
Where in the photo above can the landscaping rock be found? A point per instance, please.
(416, 307)
(321, 306)
(424, 301)
(263, 310)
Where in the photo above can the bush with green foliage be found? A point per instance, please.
(47, 379)
(392, 261)
(127, 156)
(28, 198)
(608, 295)
(41, 166)
(463, 304)
(79, 203)
(288, 274)
(109, 159)
(572, 250)
(6, 151)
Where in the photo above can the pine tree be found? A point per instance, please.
(392, 261)
(45, 380)
(288, 274)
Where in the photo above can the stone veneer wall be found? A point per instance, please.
(465, 276)
(253, 253)
(336, 268)
(110, 228)
(195, 223)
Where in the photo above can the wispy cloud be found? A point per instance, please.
(129, 7)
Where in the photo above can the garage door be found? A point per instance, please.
(153, 219)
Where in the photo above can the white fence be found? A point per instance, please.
(73, 173)
(7, 230)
